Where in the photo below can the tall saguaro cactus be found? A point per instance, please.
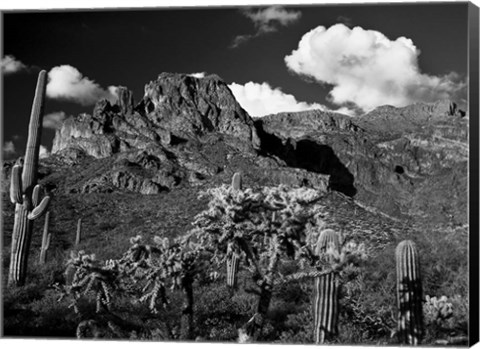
(409, 293)
(79, 232)
(237, 181)
(233, 258)
(25, 192)
(326, 289)
(233, 262)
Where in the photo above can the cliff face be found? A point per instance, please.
(189, 106)
(393, 159)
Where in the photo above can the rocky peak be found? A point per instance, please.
(188, 106)
(124, 100)
(175, 106)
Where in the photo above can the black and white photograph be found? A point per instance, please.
(291, 173)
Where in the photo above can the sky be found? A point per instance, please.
(346, 58)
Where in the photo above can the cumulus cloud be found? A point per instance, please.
(9, 148)
(11, 65)
(66, 82)
(267, 20)
(54, 120)
(43, 152)
(368, 69)
(199, 75)
(261, 99)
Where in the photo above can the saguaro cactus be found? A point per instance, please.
(233, 262)
(233, 259)
(326, 289)
(79, 232)
(45, 240)
(24, 191)
(237, 181)
(409, 293)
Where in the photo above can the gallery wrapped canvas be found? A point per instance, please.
(283, 174)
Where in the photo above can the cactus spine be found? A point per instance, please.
(24, 191)
(45, 240)
(409, 293)
(79, 232)
(326, 290)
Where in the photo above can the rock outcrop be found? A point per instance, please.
(175, 108)
(189, 106)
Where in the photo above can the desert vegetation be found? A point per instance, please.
(296, 281)
(249, 263)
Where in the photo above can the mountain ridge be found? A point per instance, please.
(189, 131)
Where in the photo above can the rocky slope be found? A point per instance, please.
(407, 162)
(188, 132)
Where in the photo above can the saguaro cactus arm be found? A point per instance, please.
(16, 185)
(36, 195)
(40, 209)
(46, 237)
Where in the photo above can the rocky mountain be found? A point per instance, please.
(407, 162)
(184, 131)
(189, 132)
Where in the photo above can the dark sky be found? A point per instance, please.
(130, 48)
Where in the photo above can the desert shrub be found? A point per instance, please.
(445, 317)
(219, 312)
(298, 328)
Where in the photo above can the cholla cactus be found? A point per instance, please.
(437, 310)
(265, 224)
(25, 192)
(409, 293)
(326, 288)
(92, 277)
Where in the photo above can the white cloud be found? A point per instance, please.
(54, 120)
(9, 148)
(261, 99)
(267, 20)
(66, 82)
(43, 153)
(199, 75)
(11, 65)
(368, 69)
